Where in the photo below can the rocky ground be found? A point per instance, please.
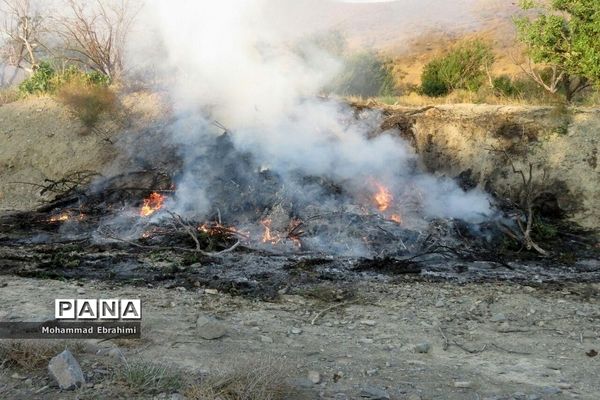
(403, 340)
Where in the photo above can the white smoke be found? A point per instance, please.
(226, 61)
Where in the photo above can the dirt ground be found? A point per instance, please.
(488, 341)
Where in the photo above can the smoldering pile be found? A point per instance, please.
(250, 206)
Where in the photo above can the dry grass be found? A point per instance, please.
(31, 355)
(88, 102)
(259, 380)
(8, 95)
(149, 378)
(485, 96)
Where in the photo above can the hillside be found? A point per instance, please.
(410, 31)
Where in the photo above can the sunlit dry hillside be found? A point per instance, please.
(411, 31)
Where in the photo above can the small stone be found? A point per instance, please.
(498, 317)
(462, 384)
(374, 393)
(337, 376)
(302, 383)
(440, 303)
(296, 331)
(211, 291)
(314, 377)
(80, 291)
(266, 339)
(551, 390)
(368, 322)
(209, 328)
(91, 348)
(519, 396)
(371, 372)
(18, 376)
(283, 290)
(565, 386)
(65, 370)
(423, 347)
(116, 353)
(365, 341)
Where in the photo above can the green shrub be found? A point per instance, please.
(504, 86)
(365, 75)
(46, 79)
(41, 81)
(432, 82)
(465, 67)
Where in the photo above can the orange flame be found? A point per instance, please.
(152, 204)
(66, 216)
(60, 218)
(268, 236)
(397, 218)
(383, 198)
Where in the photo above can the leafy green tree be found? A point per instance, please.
(465, 67)
(564, 37)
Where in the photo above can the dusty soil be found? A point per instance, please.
(507, 341)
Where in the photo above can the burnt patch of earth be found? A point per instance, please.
(264, 275)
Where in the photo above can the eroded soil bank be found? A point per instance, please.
(478, 144)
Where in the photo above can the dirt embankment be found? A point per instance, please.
(479, 143)
(41, 139)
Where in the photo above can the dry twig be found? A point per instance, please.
(322, 312)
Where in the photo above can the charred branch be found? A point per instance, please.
(526, 205)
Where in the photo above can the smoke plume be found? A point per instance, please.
(228, 61)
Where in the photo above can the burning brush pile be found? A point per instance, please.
(254, 208)
(223, 213)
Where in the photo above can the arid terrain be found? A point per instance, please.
(325, 328)
(341, 199)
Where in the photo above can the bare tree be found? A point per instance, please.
(555, 79)
(22, 29)
(95, 33)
